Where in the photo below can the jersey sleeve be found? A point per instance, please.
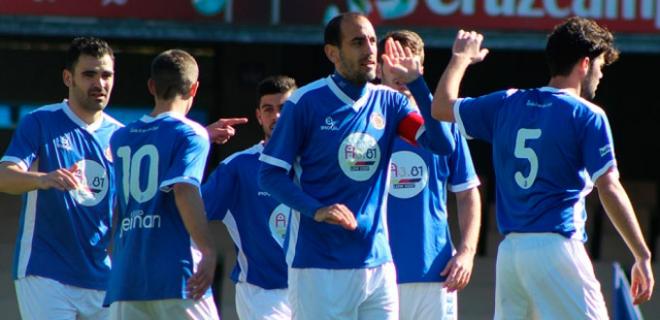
(188, 160)
(282, 148)
(24, 146)
(475, 117)
(462, 175)
(218, 191)
(597, 145)
(436, 136)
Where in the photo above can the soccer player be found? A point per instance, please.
(256, 222)
(59, 159)
(164, 257)
(428, 271)
(337, 134)
(550, 145)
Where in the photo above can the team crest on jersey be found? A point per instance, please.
(409, 174)
(359, 156)
(377, 121)
(278, 222)
(92, 182)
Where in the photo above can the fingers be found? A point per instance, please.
(337, 214)
(60, 179)
(234, 121)
(200, 282)
(457, 272)
(641, 288)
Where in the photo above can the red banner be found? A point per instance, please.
(633, 16)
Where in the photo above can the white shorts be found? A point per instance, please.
(365, 294)
(426, 300)
(546, 276)
(256, 303)
(174, 309)
(43, 298)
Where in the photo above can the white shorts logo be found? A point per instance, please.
(409, 174)
(278, 222)
(359, 156)
(92, 182)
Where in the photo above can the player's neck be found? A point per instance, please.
(351, 89)
(176, 105)
(566, 83)
(85, 115)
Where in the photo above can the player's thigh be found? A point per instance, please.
(511, 300)
(564, 286)
(255, 303)
(319, 294)
(382, 296)
(43, 298)
(88, 303)
(426, 300)
(168, 309)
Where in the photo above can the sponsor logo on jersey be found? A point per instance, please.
(359, 156)
(263, 194)
(63, 142)
(409, 174)
(605, 150)
(377, 121)
(330, 124)
(92, 182)
(138, 220)
(278, 223)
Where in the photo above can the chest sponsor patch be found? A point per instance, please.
(92, 182)
(359, 156)
(409, 174)
(278, 222)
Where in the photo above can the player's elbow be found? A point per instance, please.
(441, 109)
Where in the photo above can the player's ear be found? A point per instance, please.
(67, 77)
(332, 52)
(151, 85)
(193, 89)
(583, 65)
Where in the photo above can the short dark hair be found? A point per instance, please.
(90, 46)
(174, 72)
(407, 38)
(575, 39)
(332, 34)
(275, 84)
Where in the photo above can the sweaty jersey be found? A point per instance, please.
(256, 222)
(154, 255)
(548, 147)
(63, 235)
(417, 207)
(339, 150)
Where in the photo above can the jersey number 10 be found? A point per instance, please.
(132, 169)
(523, 152)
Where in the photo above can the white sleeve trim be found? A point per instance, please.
(275, 162)
(420, 132)
(464, 186)
(16, 161)
(459, 121)
(602, 170)
(166, 186)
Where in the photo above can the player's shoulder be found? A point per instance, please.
(182, 123)
(311, 90)
(579, 104)
(238, 158)
(47, 110)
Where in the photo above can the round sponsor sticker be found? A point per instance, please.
(92, 182)
(279, 219)
(359, 156)
(409, 174)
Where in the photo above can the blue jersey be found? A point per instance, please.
(417, 207)
(256, 222)
(339, 150)
(154, 255)
(548, 147)
(63, 235)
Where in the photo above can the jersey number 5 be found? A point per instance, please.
(523, 152)
(131, 170)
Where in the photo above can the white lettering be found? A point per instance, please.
(588, 8)
(500, 7)
(443, 8)
(137, 220)
(526, 9)
(555, 11)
